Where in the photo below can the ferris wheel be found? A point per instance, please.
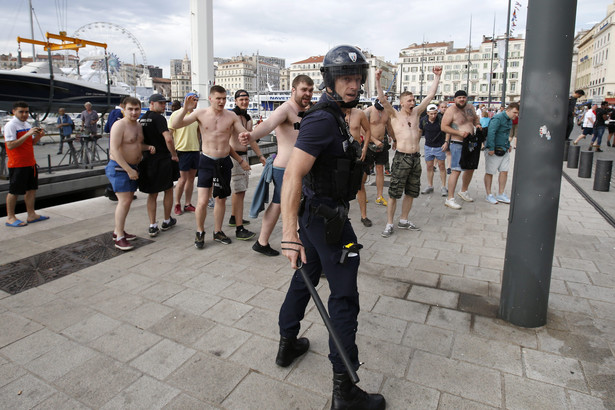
(122, 45)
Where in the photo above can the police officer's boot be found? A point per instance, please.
(291, 348)
(346, 395)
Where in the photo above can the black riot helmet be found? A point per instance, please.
(340, 61)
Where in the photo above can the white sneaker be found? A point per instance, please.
(444, 191)
(491, 199)
(408, 225)
(465, 196)
(452, 204)
(388, 231)
(427, 190)
(503, 198)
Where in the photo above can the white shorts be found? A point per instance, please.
(493, 163)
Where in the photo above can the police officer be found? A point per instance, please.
(324, 167)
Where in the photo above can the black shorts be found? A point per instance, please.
(207, 172)
(188, 160)
(377, 158)
(156, 173)
(23, 179)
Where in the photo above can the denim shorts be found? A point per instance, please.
(277, 177)
(455, 155)
(434, 152)
(120, 181)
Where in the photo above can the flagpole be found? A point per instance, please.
(492, 52)
(469, 61)
(504, 75)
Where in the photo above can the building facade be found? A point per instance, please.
(181, 78)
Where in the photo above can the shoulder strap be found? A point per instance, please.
(327, 107)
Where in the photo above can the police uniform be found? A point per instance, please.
(321, 136)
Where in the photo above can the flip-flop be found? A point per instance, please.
(16, 224)
(40, 218)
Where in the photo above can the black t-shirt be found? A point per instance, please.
(600, 114)
(154, 124)
(434, 137)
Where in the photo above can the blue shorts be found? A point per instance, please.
(434, 152)
(188, 160)
(119, 178)
(455, 148)
(588, 131)
(277, 176)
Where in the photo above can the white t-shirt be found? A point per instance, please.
(14, 127)
(589, 119)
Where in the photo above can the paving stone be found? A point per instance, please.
(125, 342)
(448, 401)
(381, 286)
(490, 262)
(59, 361)
(367, 301)
(61, 401)
(428, 338)
(568, 303)
(262, 322)
(488, 353)
(59, 314)
(9, 372)
(24, 301)
(259, 354)
(82, 292)
(161, 291)
(162, 267)
(163, 359)
(269, 299)
(387, 358)
(181, 275)
(558, 286)
(261, 392)
(554, 369)
(118, 305)
(97, 381)
(458, 257)
(462, 379)
(146, 315)
(182, 327)
(484, 274)
(603, 309)
(501, 330)
(523, 393)
(227, 312)
(424, 253)
(209, 283)
(401, 309)
(570, 275)
(32, 346)
(576, 345)
(592, 292)
(579, 264)
(25, 393)
(91, 328)
(193, 301)
(402, 394)
(381, 327)
(606, 280)
(145, 393)
(240, 292)
(208, 378)
(449, 319)
(133, 282)
(390, 259)
(434, 266)
(464, 285)
(185, 402)
(436, 297)
(585, 401)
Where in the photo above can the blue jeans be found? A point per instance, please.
(598, 132)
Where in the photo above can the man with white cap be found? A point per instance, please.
(435, 148)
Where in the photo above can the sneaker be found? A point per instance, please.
(177, 209)
(128, 236)
(122, 244)
(452, 204)
(408, 225)
(222, 238)
(211, 203)
(589, 148)
(166, 226)
(444, 191)
(427, 190)
(598, 149)
(503, 198)
(448, 171)
(189, 208)
(381, 201)
(465, 196)
(366, 221)
(491, 199)
(243, 234)
(387, 173)
(265, 250)
(232, 222)
(199, 240)
(153, 231)
(388, 231)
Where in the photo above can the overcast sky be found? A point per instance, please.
(289, 29)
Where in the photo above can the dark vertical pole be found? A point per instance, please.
(533, 214)
(492, 52)
(469, 60)
(505, 73)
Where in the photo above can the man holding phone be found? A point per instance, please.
(20, 138)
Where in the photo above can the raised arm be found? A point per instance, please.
(181, 120)
(437, 70)
(383, 99)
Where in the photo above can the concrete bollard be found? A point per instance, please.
(566, 148)
(585, 164)
(602, 180)
(573, 156)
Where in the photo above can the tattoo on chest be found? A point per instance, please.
(469, 114)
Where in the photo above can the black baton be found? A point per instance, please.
(325, 317)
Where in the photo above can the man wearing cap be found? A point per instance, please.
(156, 171)
(406, 166)
(216, 126)
(186, 140)
(459, 122)
(435, 148)
(239, 176)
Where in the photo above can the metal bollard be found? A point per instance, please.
(602, 180)
(566, 148)
(49, 164)
(573, 156)
(585, 164)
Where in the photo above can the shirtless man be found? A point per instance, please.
(357, 120)
(406, 167)
(216, 126)
(459, 122)
(283, 120)
(441, 110)
(378, 154)
(125, 152)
